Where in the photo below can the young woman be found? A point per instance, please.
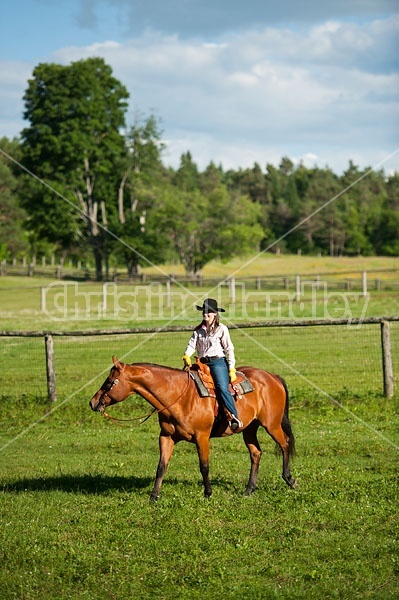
(211, 339)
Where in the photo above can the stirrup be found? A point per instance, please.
(235, 424)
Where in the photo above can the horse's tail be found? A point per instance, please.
(285, 423)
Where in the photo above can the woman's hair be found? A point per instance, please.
(214, 325)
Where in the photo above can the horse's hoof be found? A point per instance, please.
(291, 482)
(154, 498)
(249, 491)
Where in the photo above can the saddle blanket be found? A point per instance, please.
(236, 389)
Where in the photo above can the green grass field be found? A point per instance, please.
(77, 306)
(76, 521)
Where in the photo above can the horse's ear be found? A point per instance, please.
(117, 363)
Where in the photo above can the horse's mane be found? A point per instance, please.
(148, 364)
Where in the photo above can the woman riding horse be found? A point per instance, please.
(211, 339)
(184, 415)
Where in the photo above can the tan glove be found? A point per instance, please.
(232, 375)
(187, 361)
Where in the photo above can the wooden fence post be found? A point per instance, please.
(104, 303)
(364, 283)
(42, 299)
(387, 359)
(167, 293)
(297, 288)
(232, 290)
(50, 372)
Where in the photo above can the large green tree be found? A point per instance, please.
(74, 144)
(13, 237)
(205, 227)
(388, 239)
(324, 231)
(187, 176)
(140, 197)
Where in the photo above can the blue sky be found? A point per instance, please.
(234, 82)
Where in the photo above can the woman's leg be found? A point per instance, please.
(220, 374)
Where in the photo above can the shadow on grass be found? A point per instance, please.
(89, 484)
(100, 484)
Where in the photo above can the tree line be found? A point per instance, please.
(82, 183)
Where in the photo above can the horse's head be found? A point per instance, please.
(114, 389)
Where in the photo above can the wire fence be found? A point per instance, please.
(335, 358)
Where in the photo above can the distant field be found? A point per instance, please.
(283, 264)
(267, 264)
(80, 306)
(74, 307)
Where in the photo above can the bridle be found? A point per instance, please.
(107, 388)
(111, 384)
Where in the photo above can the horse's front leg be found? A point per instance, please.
(202, 443)
(166, 446)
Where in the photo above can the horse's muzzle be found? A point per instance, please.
(96, 405)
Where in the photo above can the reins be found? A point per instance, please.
(119, 421)
(154, 410)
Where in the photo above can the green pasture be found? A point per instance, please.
(76, 521)
(79, 306)
(41, 303)
(338, 361)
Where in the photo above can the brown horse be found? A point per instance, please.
(184, 415)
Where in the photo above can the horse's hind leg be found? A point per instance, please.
(166, 446)
(255, 453)
(286, 445)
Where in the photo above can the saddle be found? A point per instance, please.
(201, 374)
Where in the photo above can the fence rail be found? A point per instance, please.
(373, 279)
(367, 349)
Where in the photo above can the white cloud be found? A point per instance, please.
(324, 93)
(13, 78)
(208, 18)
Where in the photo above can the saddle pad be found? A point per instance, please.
(245, 384)
(202, 389)
(238, 389)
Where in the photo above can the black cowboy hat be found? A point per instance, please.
(210, 306)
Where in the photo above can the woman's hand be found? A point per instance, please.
(232, 375)
(187, 361)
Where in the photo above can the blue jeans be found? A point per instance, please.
(220, 374)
